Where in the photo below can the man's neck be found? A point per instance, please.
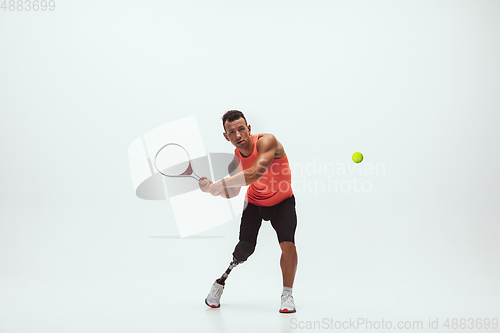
(248, 150)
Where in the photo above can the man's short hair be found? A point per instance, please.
(232, 115)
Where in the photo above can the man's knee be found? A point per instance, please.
(242, 251)
(287, 247)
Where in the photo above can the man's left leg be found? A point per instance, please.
(288, 263)
(284, 221)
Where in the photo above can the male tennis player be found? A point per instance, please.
(269, 197)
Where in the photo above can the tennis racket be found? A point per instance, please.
(172, 160)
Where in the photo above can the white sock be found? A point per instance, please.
(287, 290)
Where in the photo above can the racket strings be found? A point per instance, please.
(173, 160)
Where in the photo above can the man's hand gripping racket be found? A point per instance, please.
(204, 184)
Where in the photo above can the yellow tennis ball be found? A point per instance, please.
(357, 157)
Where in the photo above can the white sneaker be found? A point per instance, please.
(287, 304)
(213, 298)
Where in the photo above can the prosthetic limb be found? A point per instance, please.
(222, 279)
(242, 251)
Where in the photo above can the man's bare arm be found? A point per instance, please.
(231, 192)
(266, 146)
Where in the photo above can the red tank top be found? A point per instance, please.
(274, 185)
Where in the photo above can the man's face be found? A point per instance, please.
(238, 132)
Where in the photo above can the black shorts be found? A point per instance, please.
(282, 216)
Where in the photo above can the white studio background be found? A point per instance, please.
(413, 85)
